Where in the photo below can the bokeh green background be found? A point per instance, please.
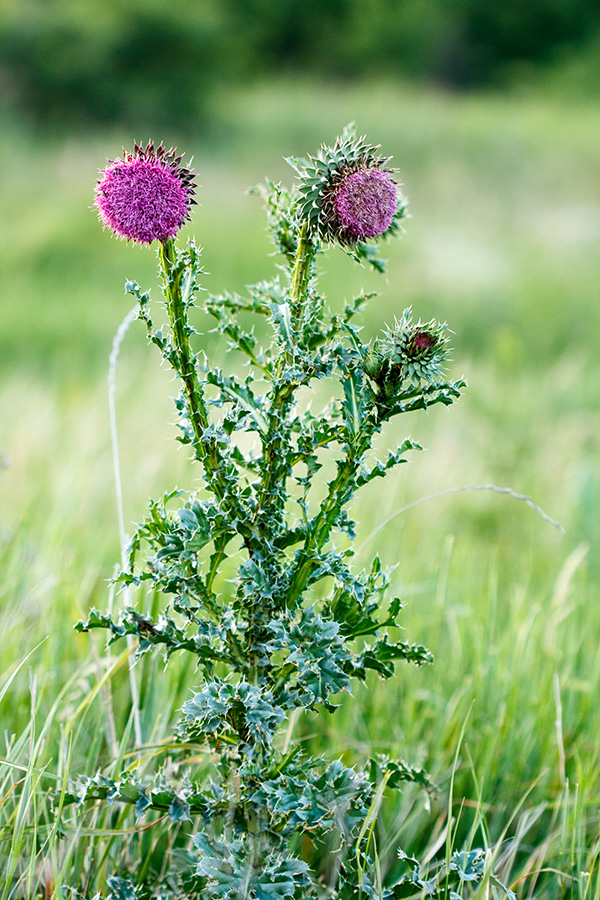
(490, 111)
(146, 62)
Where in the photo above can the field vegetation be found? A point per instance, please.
(502, 244)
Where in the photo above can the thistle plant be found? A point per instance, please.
(252, 573)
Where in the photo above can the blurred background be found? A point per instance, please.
(491, 113)
(153, 65)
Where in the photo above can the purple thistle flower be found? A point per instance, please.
(348, 195)
(365, 202)
(145, 196)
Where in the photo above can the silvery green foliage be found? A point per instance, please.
(255, 570)
(467, 874)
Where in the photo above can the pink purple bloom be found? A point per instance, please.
(347, 193)
(145, 196)
(422, 341)
(365, 202)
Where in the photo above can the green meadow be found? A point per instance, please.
(502, 243)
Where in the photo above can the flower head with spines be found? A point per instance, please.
(147, 195)
(347, 194)
(409, 355)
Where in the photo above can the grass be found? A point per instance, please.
(502, 244)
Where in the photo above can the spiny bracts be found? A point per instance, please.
(410, 354)
(347, 192)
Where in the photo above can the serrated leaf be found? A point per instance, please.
(354, 404)
(380, 469)
(142, 803)
(397, 772)
(231, 872)
(121, 889)
(280, 879)
(179, 810)
(316, 657)
(470, 864)
(382, 655)
(283, 322)
(236, 392)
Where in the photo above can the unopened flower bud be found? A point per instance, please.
(372, 362)
(409, 355)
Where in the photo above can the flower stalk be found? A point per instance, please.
(186, 366)
(305, 256)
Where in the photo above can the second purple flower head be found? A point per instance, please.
(348, 194)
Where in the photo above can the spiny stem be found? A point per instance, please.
(322, 525)
(177, 318)
(206, 450)
(270, 502)
(273, 445)
(305, 255)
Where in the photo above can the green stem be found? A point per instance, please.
(322, 525)
(273, 453)
(185, 361)
(305, 255)
(206, 450)
(277, 436)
